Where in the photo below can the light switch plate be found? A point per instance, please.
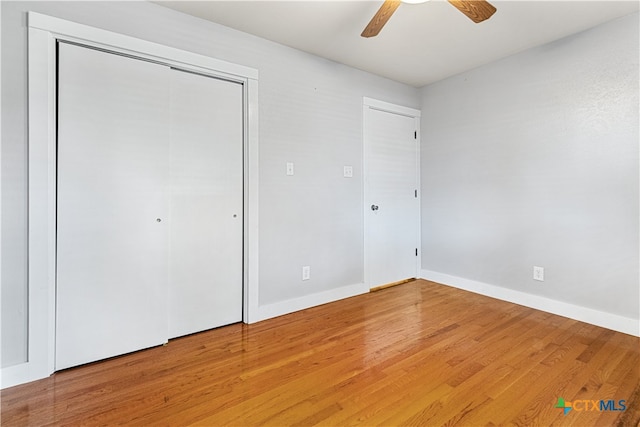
(289, 168)
(348, 171)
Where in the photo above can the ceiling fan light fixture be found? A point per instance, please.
(476, 10)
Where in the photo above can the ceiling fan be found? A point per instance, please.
(476, 10)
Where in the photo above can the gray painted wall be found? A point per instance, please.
(533, 160)
(310, 114)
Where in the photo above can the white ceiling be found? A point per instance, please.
(421, 43)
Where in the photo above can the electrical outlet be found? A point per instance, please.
(538, 273)
(306, 272)
(348, 171)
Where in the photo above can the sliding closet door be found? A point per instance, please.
(112, 228)
(205, 268)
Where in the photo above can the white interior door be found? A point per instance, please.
(113, 151)
(391, 197)
(206, 203)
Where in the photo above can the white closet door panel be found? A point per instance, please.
(392, 179)
(205, 268)
(113, 146)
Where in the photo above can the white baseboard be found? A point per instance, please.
(20, 374)
(588, 315)
(289, 306)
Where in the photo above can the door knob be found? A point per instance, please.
(374, 207)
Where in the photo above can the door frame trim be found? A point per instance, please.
(374, 104)
(43, 32)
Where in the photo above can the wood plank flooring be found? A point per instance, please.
(415, 354)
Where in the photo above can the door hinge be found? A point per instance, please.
(415, 193)
(415, 134)
(416, 251)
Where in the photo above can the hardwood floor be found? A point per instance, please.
(415, 354)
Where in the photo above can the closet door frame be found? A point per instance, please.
(44, 33)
